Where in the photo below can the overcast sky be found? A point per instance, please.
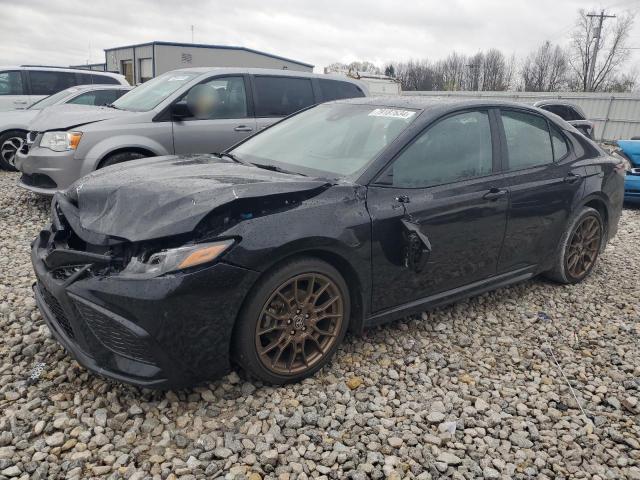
(64, 32)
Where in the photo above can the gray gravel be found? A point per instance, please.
(468, 391)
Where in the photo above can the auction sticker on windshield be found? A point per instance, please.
(392, 113)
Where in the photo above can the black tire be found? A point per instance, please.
(246, 340)
(562, 271)
(11, 140)
(120, 158)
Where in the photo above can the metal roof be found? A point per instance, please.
(202, 45)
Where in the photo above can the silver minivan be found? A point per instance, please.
(14, 123)
(194, 110)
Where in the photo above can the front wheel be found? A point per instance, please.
(293, 322)
(10, 143)
(121, 158)
(579, 247)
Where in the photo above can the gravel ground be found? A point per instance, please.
(479, 389)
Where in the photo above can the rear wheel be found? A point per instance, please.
(579, 247)
(10, 143)
(121, 157)
(293, 322)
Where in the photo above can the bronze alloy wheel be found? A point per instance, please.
(299, 324)
(583, 247)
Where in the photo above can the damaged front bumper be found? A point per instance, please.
(165, 332)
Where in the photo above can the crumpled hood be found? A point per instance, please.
(62, 117)
(165, 196)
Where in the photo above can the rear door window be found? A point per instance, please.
(335, 90)
(528, 140)
(11, 83)
(50, 82)
(281, 96)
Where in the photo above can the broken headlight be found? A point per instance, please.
(174, 259)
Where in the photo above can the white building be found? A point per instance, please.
(139, 63)
(377, 84)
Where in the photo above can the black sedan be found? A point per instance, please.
(166, 271)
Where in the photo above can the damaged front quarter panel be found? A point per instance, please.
(168, 196)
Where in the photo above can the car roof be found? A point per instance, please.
(418, 102)
(51, 68)
(266, 71)
(98, 86)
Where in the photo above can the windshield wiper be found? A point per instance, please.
(273, 168)
(232, 157)
(111, 105)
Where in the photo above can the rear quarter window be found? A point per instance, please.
(560, 148)
(335, 90)
(97, 97)
(104, 80)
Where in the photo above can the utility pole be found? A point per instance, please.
(475, 74)
(598, 35)
(192, 33)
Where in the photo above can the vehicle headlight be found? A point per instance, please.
(60, 141)
(174, 259)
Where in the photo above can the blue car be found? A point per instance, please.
(631, 151)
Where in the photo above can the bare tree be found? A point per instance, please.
(473, 72)
(609, 43)
(364, 67)
(390, 71)
(452, 71)
(418, 75)
(545, 70)
(493, 70)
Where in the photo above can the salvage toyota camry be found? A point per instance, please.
(167, 271)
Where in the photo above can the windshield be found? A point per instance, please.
(52, 99)
(336, 138)
(151, 93)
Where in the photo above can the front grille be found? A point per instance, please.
(113, 335)
(38, 180)
(56, 310)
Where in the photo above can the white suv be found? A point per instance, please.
(24, 85)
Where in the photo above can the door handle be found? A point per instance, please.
(495, 194)
(243, 128)
(572, 177)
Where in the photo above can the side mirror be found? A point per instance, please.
(181, 110)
